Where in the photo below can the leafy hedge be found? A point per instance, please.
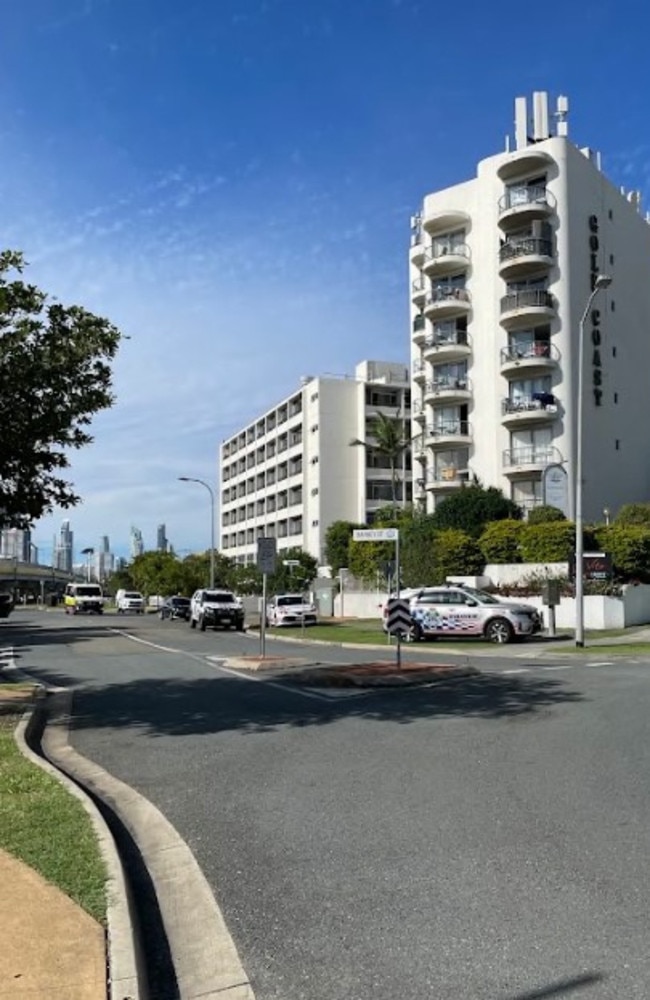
(551, 542)
(500, 541)
(629, 547)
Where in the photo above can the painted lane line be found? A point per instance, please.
(561, 666)
(145, 642)
(516, 670)
(274, 684)
(605, 663)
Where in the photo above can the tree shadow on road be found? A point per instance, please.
(563, 987)
(176, 707)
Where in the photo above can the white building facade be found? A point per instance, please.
(293, 471)
(501, 269)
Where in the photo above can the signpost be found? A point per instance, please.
(266, 560)
(401, 608)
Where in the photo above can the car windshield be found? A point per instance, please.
(88, 592)
(482, 596)
(291, 599)
(132, 596)
(179, 600)
(219, 597)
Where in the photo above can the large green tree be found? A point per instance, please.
(55, 374)
(337, 544)
(472, 507)
(388, 440)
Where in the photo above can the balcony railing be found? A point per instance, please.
(529, 298)
(418, 368)
(450, 338)
(536, 401)
(418, 286)
(517, 197)
(538, 349)
(419, 323)
(448, 474)
(449, 427)
(529, 246)
(446, 293)
(439, 250)
(531, 455)
(448, 382)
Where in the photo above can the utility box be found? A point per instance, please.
(551, 593)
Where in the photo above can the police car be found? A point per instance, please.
(462, 611)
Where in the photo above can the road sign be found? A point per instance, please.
(375, 534)
(398, 616)
(266, 555)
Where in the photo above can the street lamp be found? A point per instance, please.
(601, 282)
(201, 482)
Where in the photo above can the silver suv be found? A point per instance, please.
(463, 611)
(216, 609)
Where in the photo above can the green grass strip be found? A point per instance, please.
(47, 828)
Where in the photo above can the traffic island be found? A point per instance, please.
(382, 673)
(258, 663)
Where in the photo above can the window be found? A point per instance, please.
(382, 397)
(528, 446)
(448, 465)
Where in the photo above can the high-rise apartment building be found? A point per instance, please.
(137, 545)
(292, 471)
(104, 560)
(162, 542)
(502, 267)
(15, 543)
(63, 548)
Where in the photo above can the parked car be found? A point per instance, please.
(290, 609)
(462, 611)
(83, 598)
(175, 607)
(6, 605)
(216, 609)
(129, 600)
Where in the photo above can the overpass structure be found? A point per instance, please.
(15, 574)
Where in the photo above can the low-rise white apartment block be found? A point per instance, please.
(293, 471)
(501, 269)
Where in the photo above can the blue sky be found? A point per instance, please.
(231, 183)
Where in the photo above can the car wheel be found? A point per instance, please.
(202, 624)
(240, 626)
(192, 622)
(499, 631)
(414, 633)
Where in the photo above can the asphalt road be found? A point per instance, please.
(484, 839)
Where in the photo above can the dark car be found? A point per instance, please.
(6, 605)
(175, 607)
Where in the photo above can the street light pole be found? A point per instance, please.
(201, 482)
(601, 282)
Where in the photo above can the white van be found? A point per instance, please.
(83, 598)
(129, 600)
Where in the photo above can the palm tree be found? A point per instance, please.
(388, 437)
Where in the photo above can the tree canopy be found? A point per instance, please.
(55, 374)
(472, 507)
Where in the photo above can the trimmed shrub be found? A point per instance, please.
(472, 507)
(629, 547)
(634, 513)
(545, 515)
(500, 542)
(456, 553)
(551, 542)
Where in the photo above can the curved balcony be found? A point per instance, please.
(522, 205)
(449, 433)
(419, 371)
(540, 408)
(446, 301)
(446, 390)
(524, 162)
(526, 306)
(417, 411)
(445, 258)
(451, 346)
(529, 459)
(444, 480)
(521, 256)
(419, 329)
(446, 220)
(538, 356)
(418, 290)
(418, 249)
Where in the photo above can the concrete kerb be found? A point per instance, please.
(205, 959)
(125, 965)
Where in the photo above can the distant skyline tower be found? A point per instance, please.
(105, 545)
(15, 543)
(137, 545)
(162, 543)
(63, 548)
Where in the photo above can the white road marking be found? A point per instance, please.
(605, 663)
(561, 666)
(145, 642)
(518, 670)
(274, 684)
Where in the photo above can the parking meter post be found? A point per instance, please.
(551, 621)
(398, 648)
(263, 619)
